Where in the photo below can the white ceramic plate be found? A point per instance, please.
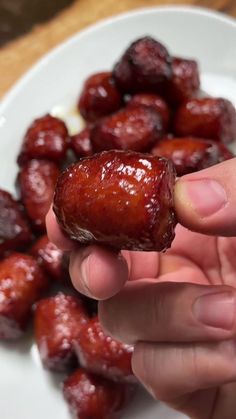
(26, 391)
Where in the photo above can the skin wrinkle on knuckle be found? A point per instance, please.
(195, 368)
(165, 324)
(148, 367)
(161, 382)
(190, 373)
(229, 352)
(199, 363)
(191, 364)
(158, 311)
(167, 296)
(141, 359)
(118, 315)
(203, 361)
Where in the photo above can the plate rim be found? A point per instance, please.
(19, 85)
(43, 61)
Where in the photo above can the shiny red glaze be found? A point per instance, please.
(92, 397)
(99, 97)
(185, 81)
(191, 154)
(129, 129)
(52, 259)
(14, 229)
(46, 138)
(58, 321)
(101, 354)
(213, 118)
(37, 181)
(144, 66)
(120, 199)
(153, 101)
(21, 284)
(81, 144)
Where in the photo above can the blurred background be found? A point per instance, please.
(30, 28)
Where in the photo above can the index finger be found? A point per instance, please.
(95, 271)
(99, 272)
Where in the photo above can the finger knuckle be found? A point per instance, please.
(147, 367)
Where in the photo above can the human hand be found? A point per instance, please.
(178, 308)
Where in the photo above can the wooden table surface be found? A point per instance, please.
(17, 56)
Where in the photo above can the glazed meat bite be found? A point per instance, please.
(135, 129)
(21, 285)
(191, 154)
(52, 259)
(92, 397)
(102, 354)
(46, 138)
(58, 321)
(37, 181)
(153, 101)
(14, 230)
(145, 66)
(119, 199)
(184, 83)
(213, 118)
(99, 97)
(81, 144)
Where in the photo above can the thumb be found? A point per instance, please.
(205, 201)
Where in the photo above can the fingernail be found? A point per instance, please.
(205, 196)
(216, 310)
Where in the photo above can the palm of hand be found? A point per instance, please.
(202, 259)
(205, 260)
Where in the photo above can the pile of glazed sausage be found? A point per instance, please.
(145, 123)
